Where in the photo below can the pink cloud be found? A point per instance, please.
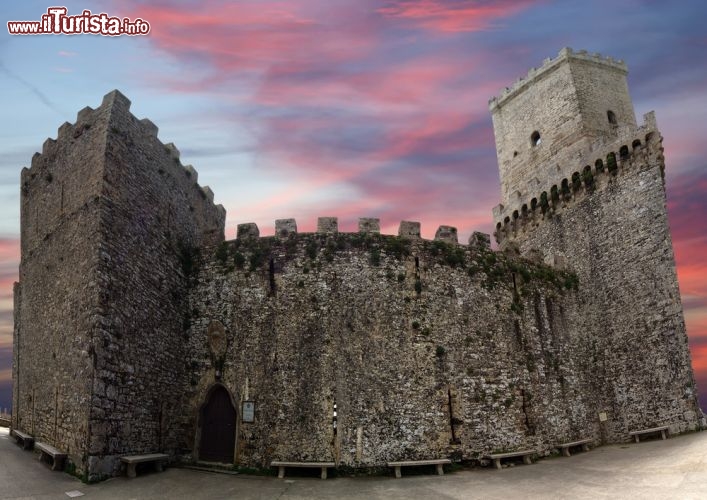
(252, 35)
(699, 360)
(453, 16)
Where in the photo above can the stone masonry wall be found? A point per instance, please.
(566, 102)
(55, 303)
(410, 339)
(611, 229)
(154, 220)
(111, 225)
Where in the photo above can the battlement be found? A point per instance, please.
(87, 121)
(633, 148)
(550, 64)
(285, 228)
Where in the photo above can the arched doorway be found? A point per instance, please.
(218, 427)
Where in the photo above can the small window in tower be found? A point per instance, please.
(535, 139)
(612, 117)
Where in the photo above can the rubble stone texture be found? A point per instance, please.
(356, 348)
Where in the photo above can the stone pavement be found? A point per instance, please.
(676, 468)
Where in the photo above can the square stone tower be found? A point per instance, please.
(583, 186)
(111, 224)
(544, 122)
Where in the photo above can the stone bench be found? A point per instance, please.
(496, 457)
(565, 447)
(319, 465)
(131, 461)
(48, 451)
(439, 462)
(663, 429)
(23, 439)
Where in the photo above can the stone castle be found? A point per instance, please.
(139, 329)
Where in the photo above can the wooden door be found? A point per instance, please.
(218, 427)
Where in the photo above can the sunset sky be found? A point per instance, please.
(353, 108)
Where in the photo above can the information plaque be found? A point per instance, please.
(248, 411)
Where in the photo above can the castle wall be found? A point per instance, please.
(612, 230)
(393, 345)
(154, 218)
(599, 91)
(55, 303)
(111, 224)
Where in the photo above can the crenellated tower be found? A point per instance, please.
(546, 122)
(583, 187)
(111, 224)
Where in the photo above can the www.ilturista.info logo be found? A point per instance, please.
(57, 22)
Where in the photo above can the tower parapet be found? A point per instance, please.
(534, 74)
(603, 158)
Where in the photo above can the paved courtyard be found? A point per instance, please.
(676, 468)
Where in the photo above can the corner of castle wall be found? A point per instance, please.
(115, 99)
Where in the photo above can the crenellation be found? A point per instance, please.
(247, 231)
(115, 99)
(192, 173)
(48, 146)
(172, 151)
(447, 234)
(149, 127)
(369, 225)
(550, 64)
(285, 227)
(328, 225)
(36, 160)
(409, 229)
(84, 115)
(599, 151)
(65, 131)
(208, 192)
(480, 240)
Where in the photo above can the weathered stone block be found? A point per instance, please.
(249, 230)
(328, 225)
(447, 233)
(409, 229)
(285, 227)
(369, 225)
